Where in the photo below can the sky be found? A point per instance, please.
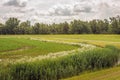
(57, 11)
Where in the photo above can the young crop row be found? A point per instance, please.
(54, 69)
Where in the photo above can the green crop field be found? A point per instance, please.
(99, 40)
(53, 57)
(14, 47)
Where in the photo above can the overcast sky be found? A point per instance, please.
(49, 11)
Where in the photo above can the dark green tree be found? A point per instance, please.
(115, 24)
(10, 24)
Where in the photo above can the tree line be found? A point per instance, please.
(96, 26)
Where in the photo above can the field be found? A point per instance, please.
(99, 40)
(106, 74)
(18, 50)
(27, 47)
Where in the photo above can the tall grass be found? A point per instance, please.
(54, 69)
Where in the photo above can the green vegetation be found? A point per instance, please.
(11, 47)
(53, 69)
(7, 44)
(14, 26)
(16, 47)
(99, 40)
(105, 74)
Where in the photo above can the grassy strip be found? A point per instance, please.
(105, 74)
(54, 69)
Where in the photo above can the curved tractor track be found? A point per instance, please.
(83, 47)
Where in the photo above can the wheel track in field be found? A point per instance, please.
(18, 49)
(88, 40)
(70, 43)
(83, 47)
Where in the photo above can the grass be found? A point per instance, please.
(105, 74)
(96, 39)
(15, 46)
(99, 40)
(9, 44)
(57, 68)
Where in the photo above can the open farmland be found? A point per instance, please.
(21, 47)
(60, 40)
(99, 40)
(26, 51)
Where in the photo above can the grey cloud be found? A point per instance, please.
(61, 10)
(70, 10)
(84, 7)
(79, 8)
(16, 3)
(25, 10)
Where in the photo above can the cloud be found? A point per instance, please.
(71, 9)
(106, 10)
(61, 10)
(16, 3)
(50, 11)
(78, 8)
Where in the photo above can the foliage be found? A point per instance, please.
(13, 26)
(54, 69)
(27, 47)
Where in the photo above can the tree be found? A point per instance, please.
(10, 24)
(74, 27)
(1, 28)
(23, 28)
(65, 28)
(13, 26)
(106, 26)
(95, 27)
(86, 28)
(36, 28)
(80, 27)
(115, 24)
